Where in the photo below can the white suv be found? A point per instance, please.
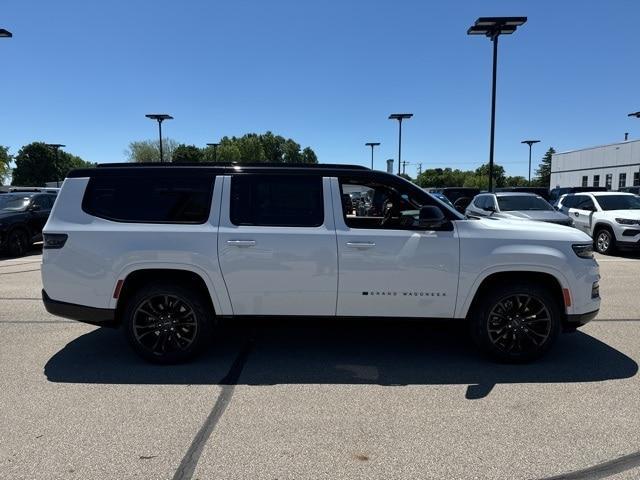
(164, 250)
(612, 219)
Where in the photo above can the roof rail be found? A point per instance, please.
(234, 164)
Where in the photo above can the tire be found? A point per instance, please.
(505, 325)
(18, 242)
(166, 323)
(604, 241)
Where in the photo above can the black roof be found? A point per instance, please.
(217, 168)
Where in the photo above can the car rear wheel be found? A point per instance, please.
(604, 242)
(167, 324)
(516, 323)
(17, 242)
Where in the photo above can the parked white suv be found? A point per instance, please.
(163, 250)
(612, 219)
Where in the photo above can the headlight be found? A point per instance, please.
(583, 250)
(627, 221)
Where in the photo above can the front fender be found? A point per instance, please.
(509, 258)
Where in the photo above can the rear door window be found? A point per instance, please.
(277, 200)
(583, 202)
(156, 198)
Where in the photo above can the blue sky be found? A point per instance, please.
(325, 73)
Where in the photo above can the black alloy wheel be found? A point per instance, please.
(17, 243)
(167, 323)
(516, 322)
(519, 324)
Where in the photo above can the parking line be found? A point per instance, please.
(602, 470)
(190, 459)
(20, 271)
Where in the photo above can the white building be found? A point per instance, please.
(613, 166)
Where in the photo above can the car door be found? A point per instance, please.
(392, 269)
(581, 212)
(277, 245)
(39, 210)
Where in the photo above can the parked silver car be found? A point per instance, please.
(514, 205)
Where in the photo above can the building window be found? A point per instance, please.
(622, 180)
(585, 181)
(596, 180)
(608, 180)
(636, 179)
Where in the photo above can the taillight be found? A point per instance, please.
(54, 240)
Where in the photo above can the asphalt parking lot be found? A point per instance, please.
(338, 400)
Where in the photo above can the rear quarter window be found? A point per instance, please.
(152, 199)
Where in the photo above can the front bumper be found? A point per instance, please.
(622, 245)
(103, 317)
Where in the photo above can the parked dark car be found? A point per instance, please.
(22, 217)
(460, 197)
(635, 189)
(556, 193)
(540, 191)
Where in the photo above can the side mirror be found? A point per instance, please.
(431, 218)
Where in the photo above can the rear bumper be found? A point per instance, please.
(104, 317)
(580, 319)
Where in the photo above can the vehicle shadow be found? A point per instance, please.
(339, 352)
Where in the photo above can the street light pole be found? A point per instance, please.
(530, 143)
(56, 148)
(372, 145)
(637, 115)
(215, 150)
(400, 117)
(159, 117)
(493, 27)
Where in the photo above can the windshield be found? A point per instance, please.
(14, 203)
(619, 202)
(522, 202)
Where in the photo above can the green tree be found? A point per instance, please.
(250, 148)
(149, 150)
(498, 174)
(5, 164)
(37, 164)
(273, 147)
(543, 173)
(259, 148)
(517, 181)
(228, 150)
(187, 154)
(309, 156)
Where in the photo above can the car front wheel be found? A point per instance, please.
(604, 242)
(166, 323)
(516, 323)
(17, 243)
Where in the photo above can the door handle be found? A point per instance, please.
(361, 244)
(241, 243)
